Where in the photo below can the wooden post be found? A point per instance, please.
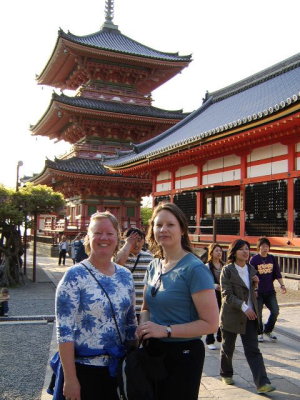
(214, 229)
(25, 246)
(34, 246)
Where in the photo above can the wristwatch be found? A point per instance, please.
(169, 331)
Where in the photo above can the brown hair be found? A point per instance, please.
(97, 217)
(155, 248)
(233, 247)
(210, 251)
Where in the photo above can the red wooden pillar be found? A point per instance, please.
(199, 199)
(242, 194)
(173, 183)
(290, 190)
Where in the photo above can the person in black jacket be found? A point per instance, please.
(215, 264)
(79, 253)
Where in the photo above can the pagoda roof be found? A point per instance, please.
(119, 107)
(86, 172)
(248, 102)
(110, 46)
(54, 120)
(79, 165)
(114, 40)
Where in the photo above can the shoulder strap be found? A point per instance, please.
(135, 264)
(110, 303)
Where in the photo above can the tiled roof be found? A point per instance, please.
(78, 165)
(118, 107)
(254, 98)
(113, 40)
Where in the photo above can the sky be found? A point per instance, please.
(229, 40)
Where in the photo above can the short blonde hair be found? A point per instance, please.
(97, 217)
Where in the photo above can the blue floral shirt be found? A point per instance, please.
(83, 312)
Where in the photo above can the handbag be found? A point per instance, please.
(139, 373)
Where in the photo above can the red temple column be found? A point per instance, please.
(290, 190)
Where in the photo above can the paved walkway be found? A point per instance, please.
(282, 359)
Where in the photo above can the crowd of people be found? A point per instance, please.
(182, 300)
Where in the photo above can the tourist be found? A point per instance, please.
(95, 315)
(215, 264)
(4, 297)
(239, 315)
(63, 247)
(78, 250)
(268, 271)
(133, 257)
(179, 304)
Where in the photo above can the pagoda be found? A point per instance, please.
(111, 112)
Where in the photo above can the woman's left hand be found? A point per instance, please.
(149, 330)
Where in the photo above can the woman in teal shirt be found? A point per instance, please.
(179, 304)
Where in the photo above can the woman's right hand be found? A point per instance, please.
(71, 389)
(250, 314)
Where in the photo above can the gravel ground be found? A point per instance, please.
(24, 353)
(24, 347)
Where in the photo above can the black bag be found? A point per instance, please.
(139, 374)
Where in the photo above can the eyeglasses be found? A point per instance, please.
(156, 286)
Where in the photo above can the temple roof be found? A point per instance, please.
(118, 107)
(108, 47)
(78, 165)
(55, 119)
(251, 100)
(114, 40)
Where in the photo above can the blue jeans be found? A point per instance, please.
(270, 301)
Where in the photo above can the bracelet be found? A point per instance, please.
(169, 331)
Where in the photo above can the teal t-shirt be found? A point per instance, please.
(173, 303)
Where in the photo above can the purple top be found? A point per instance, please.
(268, 270)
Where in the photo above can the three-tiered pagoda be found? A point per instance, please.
(113, 77)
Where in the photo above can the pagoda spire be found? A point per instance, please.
(109, 15)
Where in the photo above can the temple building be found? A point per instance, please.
(234, 163)
(109, 114)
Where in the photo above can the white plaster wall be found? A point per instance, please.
(298, 163)
(231, 160)
(221, 177)
(163, 175)
(272, 168)
(261, 153)
(161, 187)
(186, 170)
(213, 164)
(279, 166)
(183, 183)
(298, 147)
(221, 162)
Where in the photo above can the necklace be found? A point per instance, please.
(167, 266)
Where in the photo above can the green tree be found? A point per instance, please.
(146, 214)
(17, 208)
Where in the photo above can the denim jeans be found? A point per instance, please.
(270, 301)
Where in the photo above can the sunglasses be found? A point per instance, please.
(157, 284)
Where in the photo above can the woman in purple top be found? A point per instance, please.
(268, 271)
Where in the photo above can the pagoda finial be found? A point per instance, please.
(109, 15)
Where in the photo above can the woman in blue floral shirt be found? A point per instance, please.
(89, 342)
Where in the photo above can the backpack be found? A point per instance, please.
(79, 251)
